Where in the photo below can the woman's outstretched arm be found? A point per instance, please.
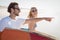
(38, 19)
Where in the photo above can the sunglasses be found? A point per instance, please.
(34, 10)
(17, 8)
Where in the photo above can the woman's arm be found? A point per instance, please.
(37, 19)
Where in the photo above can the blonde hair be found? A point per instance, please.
(30, 15)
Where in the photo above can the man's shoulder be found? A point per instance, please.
(5, 19)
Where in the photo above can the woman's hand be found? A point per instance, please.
(48, 19)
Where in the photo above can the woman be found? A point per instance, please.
(32, 25)
(32, 14)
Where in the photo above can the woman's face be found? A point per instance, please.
(34, 12)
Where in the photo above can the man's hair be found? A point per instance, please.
(11, 5)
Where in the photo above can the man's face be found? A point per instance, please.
(16, 10)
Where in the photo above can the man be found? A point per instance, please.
(11, 22)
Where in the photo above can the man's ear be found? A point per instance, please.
(12, 10)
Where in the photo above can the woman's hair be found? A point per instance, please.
(30, 15)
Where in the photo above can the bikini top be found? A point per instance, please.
(35, 26)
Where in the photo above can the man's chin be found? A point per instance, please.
(17, 14)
